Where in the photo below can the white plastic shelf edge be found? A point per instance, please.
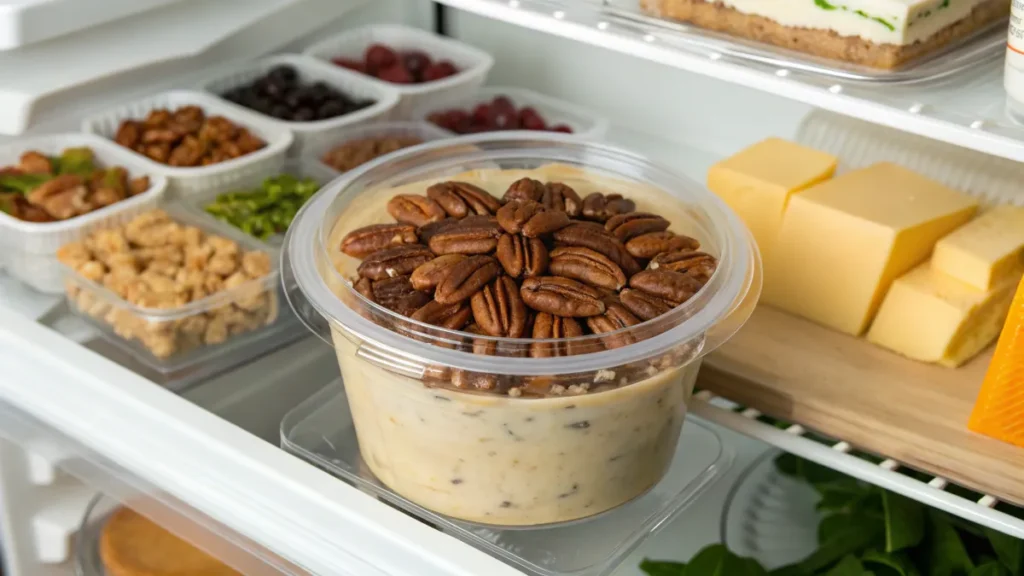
(293, 509)
(969, 133)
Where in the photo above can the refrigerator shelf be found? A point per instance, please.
(967, 109)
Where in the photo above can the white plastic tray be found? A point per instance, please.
(473, 64)
(586, 124)
(30, 247)
(310, 69)
(185, 180)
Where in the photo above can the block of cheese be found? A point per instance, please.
(758, 181)
(844, 241)
(999, 410)
(932, 317)
(986, 251)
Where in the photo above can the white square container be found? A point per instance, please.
(30, 247)
(473, 64)
(309, 69)
(585, 124)
(424, 131)
(186, 180)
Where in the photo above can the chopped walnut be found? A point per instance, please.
(33, 162)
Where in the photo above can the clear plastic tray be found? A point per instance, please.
(321, 431)
(984, 46)
(98, 305)
(473, 63)
(186, 180)
(586, 124)
(769, 516)
(29, 247)
(424, 131)
(298, 167)
(310, 69)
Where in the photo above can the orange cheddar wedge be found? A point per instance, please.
(999, 411)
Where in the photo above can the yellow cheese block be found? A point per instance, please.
(758, 182)
(986, 251)
(933, 317)
(844, 241)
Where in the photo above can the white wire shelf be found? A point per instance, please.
(967, 109)
(839, 455)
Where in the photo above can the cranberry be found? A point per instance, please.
(416, 63)
(439, 70)
(396, 74)
(530, 119)
(562, 128)
(379, 56)
(502, 120)
(503, 104)
(482, 114)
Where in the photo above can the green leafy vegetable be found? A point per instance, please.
(889, 564)
(904, 522)
(717, 560)
(1008, 549)
(992, 568)
(947, 555)
(848, 566)
(663, 568)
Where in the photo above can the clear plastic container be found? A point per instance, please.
(297, 167)
(385, 98)
(222, 329)
(585, 124)
(189, 179)
(423, 131)
(29, 247)
(504, 460)
(320, 430)
(473, 64)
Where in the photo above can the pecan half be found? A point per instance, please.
(562, 198)
(600, 207)
(697, 265)
(415, 209)
(643, 305)
(588, 266)
(450, 316)
(545, 223)
(515, 213)
(521, 256)
(561, 296)
(499, 310)
(398, 295)
(594, 236)
(524, 189)
(365, 287)
(428, 275)
(395, 261)
(627, 226)
(469, 236)
(466, 278)
(547, 326)
(615, 318)
(462, 198)
(674, 287)
(647, 246)
(427, 231)
(364, 241)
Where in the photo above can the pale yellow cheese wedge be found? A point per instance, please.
(758, 181)
(986, 251)
(844, 241)
(933, 317)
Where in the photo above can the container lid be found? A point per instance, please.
(703, 322)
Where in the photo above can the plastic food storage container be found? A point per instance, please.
(585, 124)
(300, 168)
(422, 131)
(473, 64)
(500, 459)
(225, 328)
(309, 70)
(30, 247)
(186, 180)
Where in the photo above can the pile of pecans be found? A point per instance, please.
(187, 137)
(541, 262)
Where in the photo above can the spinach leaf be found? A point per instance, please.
(663, 568)
(717, 560)
(904, 521)
(888, 564)
(990, 569)
(840, 535)
(946, 553)
(1010, 550)
(848, 566)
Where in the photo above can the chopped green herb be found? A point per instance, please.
(267, 210)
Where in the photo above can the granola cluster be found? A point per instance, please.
(158, 264)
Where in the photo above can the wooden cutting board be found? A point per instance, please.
(878, 401)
